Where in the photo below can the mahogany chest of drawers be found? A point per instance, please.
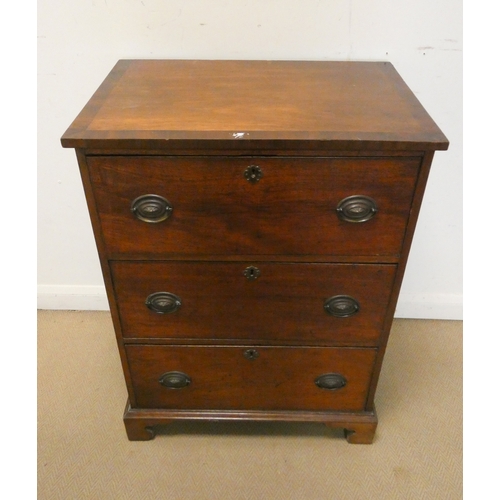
(253, 221)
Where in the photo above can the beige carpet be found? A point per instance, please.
(83, 452)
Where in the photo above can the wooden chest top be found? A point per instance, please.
(167, 105)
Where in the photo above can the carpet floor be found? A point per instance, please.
(83, 451)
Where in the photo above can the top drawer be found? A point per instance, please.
(253, 206)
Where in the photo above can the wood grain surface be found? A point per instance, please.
(280, 378)
(286, 302)
(291, 210)
(166, 103)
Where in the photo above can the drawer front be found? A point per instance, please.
(149, 206)
(235, 300)
(260, 378)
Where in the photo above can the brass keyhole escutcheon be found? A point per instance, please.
(251, 354)
(253, 173)
(251, 273)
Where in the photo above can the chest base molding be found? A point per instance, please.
(359, 427)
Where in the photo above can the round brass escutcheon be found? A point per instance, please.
(251, 354)
(253, 173)
(251, 273)
(151, 208)
(163, 302)
(357, 208)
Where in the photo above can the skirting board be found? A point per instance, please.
(93, 298)
(72, 298)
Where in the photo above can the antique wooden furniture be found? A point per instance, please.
(253, 221)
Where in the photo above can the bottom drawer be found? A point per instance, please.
(248, 378)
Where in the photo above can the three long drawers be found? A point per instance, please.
(160, 214)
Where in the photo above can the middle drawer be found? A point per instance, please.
(342, 303)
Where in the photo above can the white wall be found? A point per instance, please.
(79, 42)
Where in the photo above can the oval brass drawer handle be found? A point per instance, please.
(331, 381)
(151, 208)
(163, 302)
(175, 380)
(341, 306)
(357, 208)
